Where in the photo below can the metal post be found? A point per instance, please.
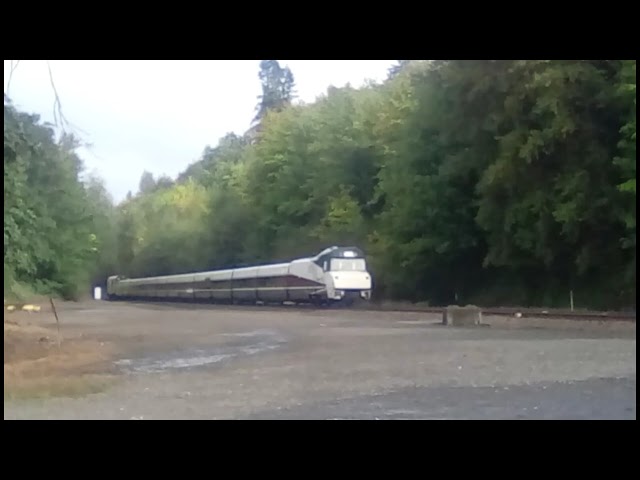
(571, 299)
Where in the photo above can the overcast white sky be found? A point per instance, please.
(160, 115)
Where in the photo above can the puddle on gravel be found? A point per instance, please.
(258, 341)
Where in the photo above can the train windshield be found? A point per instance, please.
(348, 264)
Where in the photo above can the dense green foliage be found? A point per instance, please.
(487, 182)
(58, 233)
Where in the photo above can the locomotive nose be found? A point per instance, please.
(337, 277)
(351, 280)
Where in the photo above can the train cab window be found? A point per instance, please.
(351, 264)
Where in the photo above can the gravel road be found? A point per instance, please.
(199, 362)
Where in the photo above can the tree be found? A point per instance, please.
(625, 161)
(277, 88)
(397, 68)
(147, 182)
(50, 235)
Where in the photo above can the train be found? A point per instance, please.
(336, 275)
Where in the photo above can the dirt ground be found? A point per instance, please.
(37, 364)
(176, 361)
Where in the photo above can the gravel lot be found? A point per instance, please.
(204, 362)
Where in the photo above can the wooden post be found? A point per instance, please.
(57, 320)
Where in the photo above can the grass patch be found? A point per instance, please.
(58, 386)
(35, 366)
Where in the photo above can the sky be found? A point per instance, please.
(160, 115)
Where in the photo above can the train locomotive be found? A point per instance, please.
(337, 275)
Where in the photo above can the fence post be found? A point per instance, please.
(57, 320)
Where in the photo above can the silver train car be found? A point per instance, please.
(335, 275)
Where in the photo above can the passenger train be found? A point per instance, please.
(335, 275)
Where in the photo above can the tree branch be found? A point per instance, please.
(58, 116)
(13, 69)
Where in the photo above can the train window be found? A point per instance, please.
(340, 264)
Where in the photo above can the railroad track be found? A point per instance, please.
(577, 315)
(520, 312)
(399, 308)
